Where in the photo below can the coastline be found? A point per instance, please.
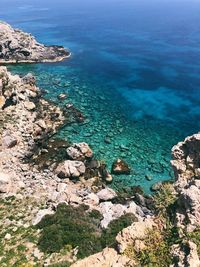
(24, 137)
(58, 59)
(56, 203)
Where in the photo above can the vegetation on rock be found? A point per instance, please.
(78, 227)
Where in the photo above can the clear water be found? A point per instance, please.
(134, 72)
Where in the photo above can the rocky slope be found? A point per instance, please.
(18, 46)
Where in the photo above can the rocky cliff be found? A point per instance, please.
(18, 46)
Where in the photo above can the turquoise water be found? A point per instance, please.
(134, 73)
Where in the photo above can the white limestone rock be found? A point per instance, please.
(79, 151)
(70, 169)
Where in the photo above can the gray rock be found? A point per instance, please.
(79, 151)
(29, 79)
(40, 215)
(70, 169)
(106, 194)
(9, 141)
(29, 105)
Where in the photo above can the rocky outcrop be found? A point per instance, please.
(112, 211)
(18, 46)
(134, 234)
(106, 194)
(107, 258)
(186, 165)
(185, 255)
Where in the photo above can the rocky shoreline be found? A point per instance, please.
(27, 125)
(17, 46)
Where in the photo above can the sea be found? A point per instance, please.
(134, 73)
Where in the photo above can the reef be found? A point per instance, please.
(17, 46)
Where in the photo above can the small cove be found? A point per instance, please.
(136, 80)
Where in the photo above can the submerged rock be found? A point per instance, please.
(120, 167)
(18, 46)
(156, 187)
(62, 96)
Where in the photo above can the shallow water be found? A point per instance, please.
(134, 72)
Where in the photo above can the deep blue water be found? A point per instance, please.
(134, 72)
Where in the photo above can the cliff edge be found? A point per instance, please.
(17, 46)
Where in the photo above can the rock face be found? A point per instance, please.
(120, 167)
(186, 165)
(137, 231)
(18, 46)
(186, 255)
(107, 258)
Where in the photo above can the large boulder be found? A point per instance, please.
(112, 211)
(79, 151)
(106, 194)
(70, 169)
(136, 231)
(120, 167)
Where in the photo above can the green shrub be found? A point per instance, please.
(157, 248)
(164, 200)
(195, 237)
(115, 226)
(76, 227)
